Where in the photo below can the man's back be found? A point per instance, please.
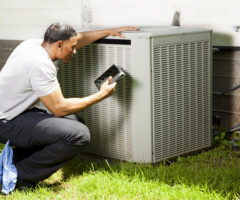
(20, 78)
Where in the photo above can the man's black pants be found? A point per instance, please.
(43, 143)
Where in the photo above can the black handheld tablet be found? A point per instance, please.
(116, 72)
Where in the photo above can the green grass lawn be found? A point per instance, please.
(212, 174)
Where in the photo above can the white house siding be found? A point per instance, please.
(22, 19)
(219, 15)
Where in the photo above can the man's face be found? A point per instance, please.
(68, 49)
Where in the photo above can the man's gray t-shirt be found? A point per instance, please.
(28, 74)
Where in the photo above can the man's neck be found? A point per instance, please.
(50, 49)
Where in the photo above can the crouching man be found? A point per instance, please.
(44, 141)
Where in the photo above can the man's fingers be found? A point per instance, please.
(118, 31)
(114, 84)
(121, 35)
(129, 28)
(109, 79)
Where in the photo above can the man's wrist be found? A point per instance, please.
(99, 95)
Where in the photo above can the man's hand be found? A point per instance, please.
(107, 89)
(117, 31)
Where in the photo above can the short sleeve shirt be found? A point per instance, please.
(28, 74)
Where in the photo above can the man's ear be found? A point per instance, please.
(60, 44)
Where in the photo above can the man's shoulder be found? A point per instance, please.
(30, 50)
(29, 44)
(32, 41)
(29, 54)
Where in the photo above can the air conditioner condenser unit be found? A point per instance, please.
(162, 108)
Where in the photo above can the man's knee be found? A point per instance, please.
(75, 117)
(84, 135)
(80, 135)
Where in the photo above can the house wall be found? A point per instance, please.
(226, 74)
(20, 20)
(24, 19)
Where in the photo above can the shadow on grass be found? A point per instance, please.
(217, 169)
(56, 186)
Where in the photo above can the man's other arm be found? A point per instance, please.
(86, 38)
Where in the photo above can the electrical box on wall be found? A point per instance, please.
(162, 108)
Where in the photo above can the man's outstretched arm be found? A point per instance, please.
(86, 38)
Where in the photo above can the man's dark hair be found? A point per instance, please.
(57, 31)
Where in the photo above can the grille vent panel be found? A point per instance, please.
(110, 120)
(181, 100)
